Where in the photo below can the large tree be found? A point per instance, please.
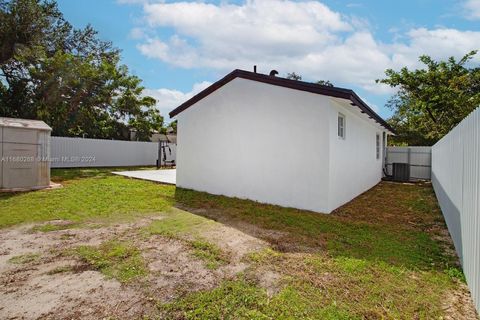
(293, 76)
(67, 77)
(431, 101)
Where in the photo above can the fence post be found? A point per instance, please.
(159, 160)
(409, 156)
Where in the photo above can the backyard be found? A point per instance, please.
(105, 246)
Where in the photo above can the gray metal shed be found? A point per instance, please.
(24, 154)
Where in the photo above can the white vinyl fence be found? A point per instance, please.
(456, 180)
(78, 152)
(419, 158)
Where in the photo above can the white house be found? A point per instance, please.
(279, 141)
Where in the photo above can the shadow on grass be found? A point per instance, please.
(380, 225)
(8, 195)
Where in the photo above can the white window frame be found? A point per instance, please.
(343, 127)
(377, 145)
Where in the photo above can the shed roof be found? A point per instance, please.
(287, 83)
(23, 123)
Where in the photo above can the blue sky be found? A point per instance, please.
(180, 47)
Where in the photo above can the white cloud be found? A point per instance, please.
(472, 9)
(256, 19)
(306, 37)
(137, 33)
(168, 99)
(439, 44)
(228, 34)
(175, 51)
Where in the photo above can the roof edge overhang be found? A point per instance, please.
(287, 83)
(20, 123)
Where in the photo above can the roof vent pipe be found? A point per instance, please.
(273, 73)
(255, 69)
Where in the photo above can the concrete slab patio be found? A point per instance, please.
(166, 176)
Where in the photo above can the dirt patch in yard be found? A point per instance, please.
(57, 285)
(263, 237)
(234, 241)
(40, 277)
(172, 270)
(31, 292)
(458, 304)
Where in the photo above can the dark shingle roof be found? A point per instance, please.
(287, 83)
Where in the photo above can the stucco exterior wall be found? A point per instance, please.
(277, 145)
(354, 167)
(257, 141)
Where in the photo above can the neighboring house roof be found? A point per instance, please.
(162, 137)
(287, 83)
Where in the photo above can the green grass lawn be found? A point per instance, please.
(381, 256)
(388, 223)
(115, 259)
(87, 195)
